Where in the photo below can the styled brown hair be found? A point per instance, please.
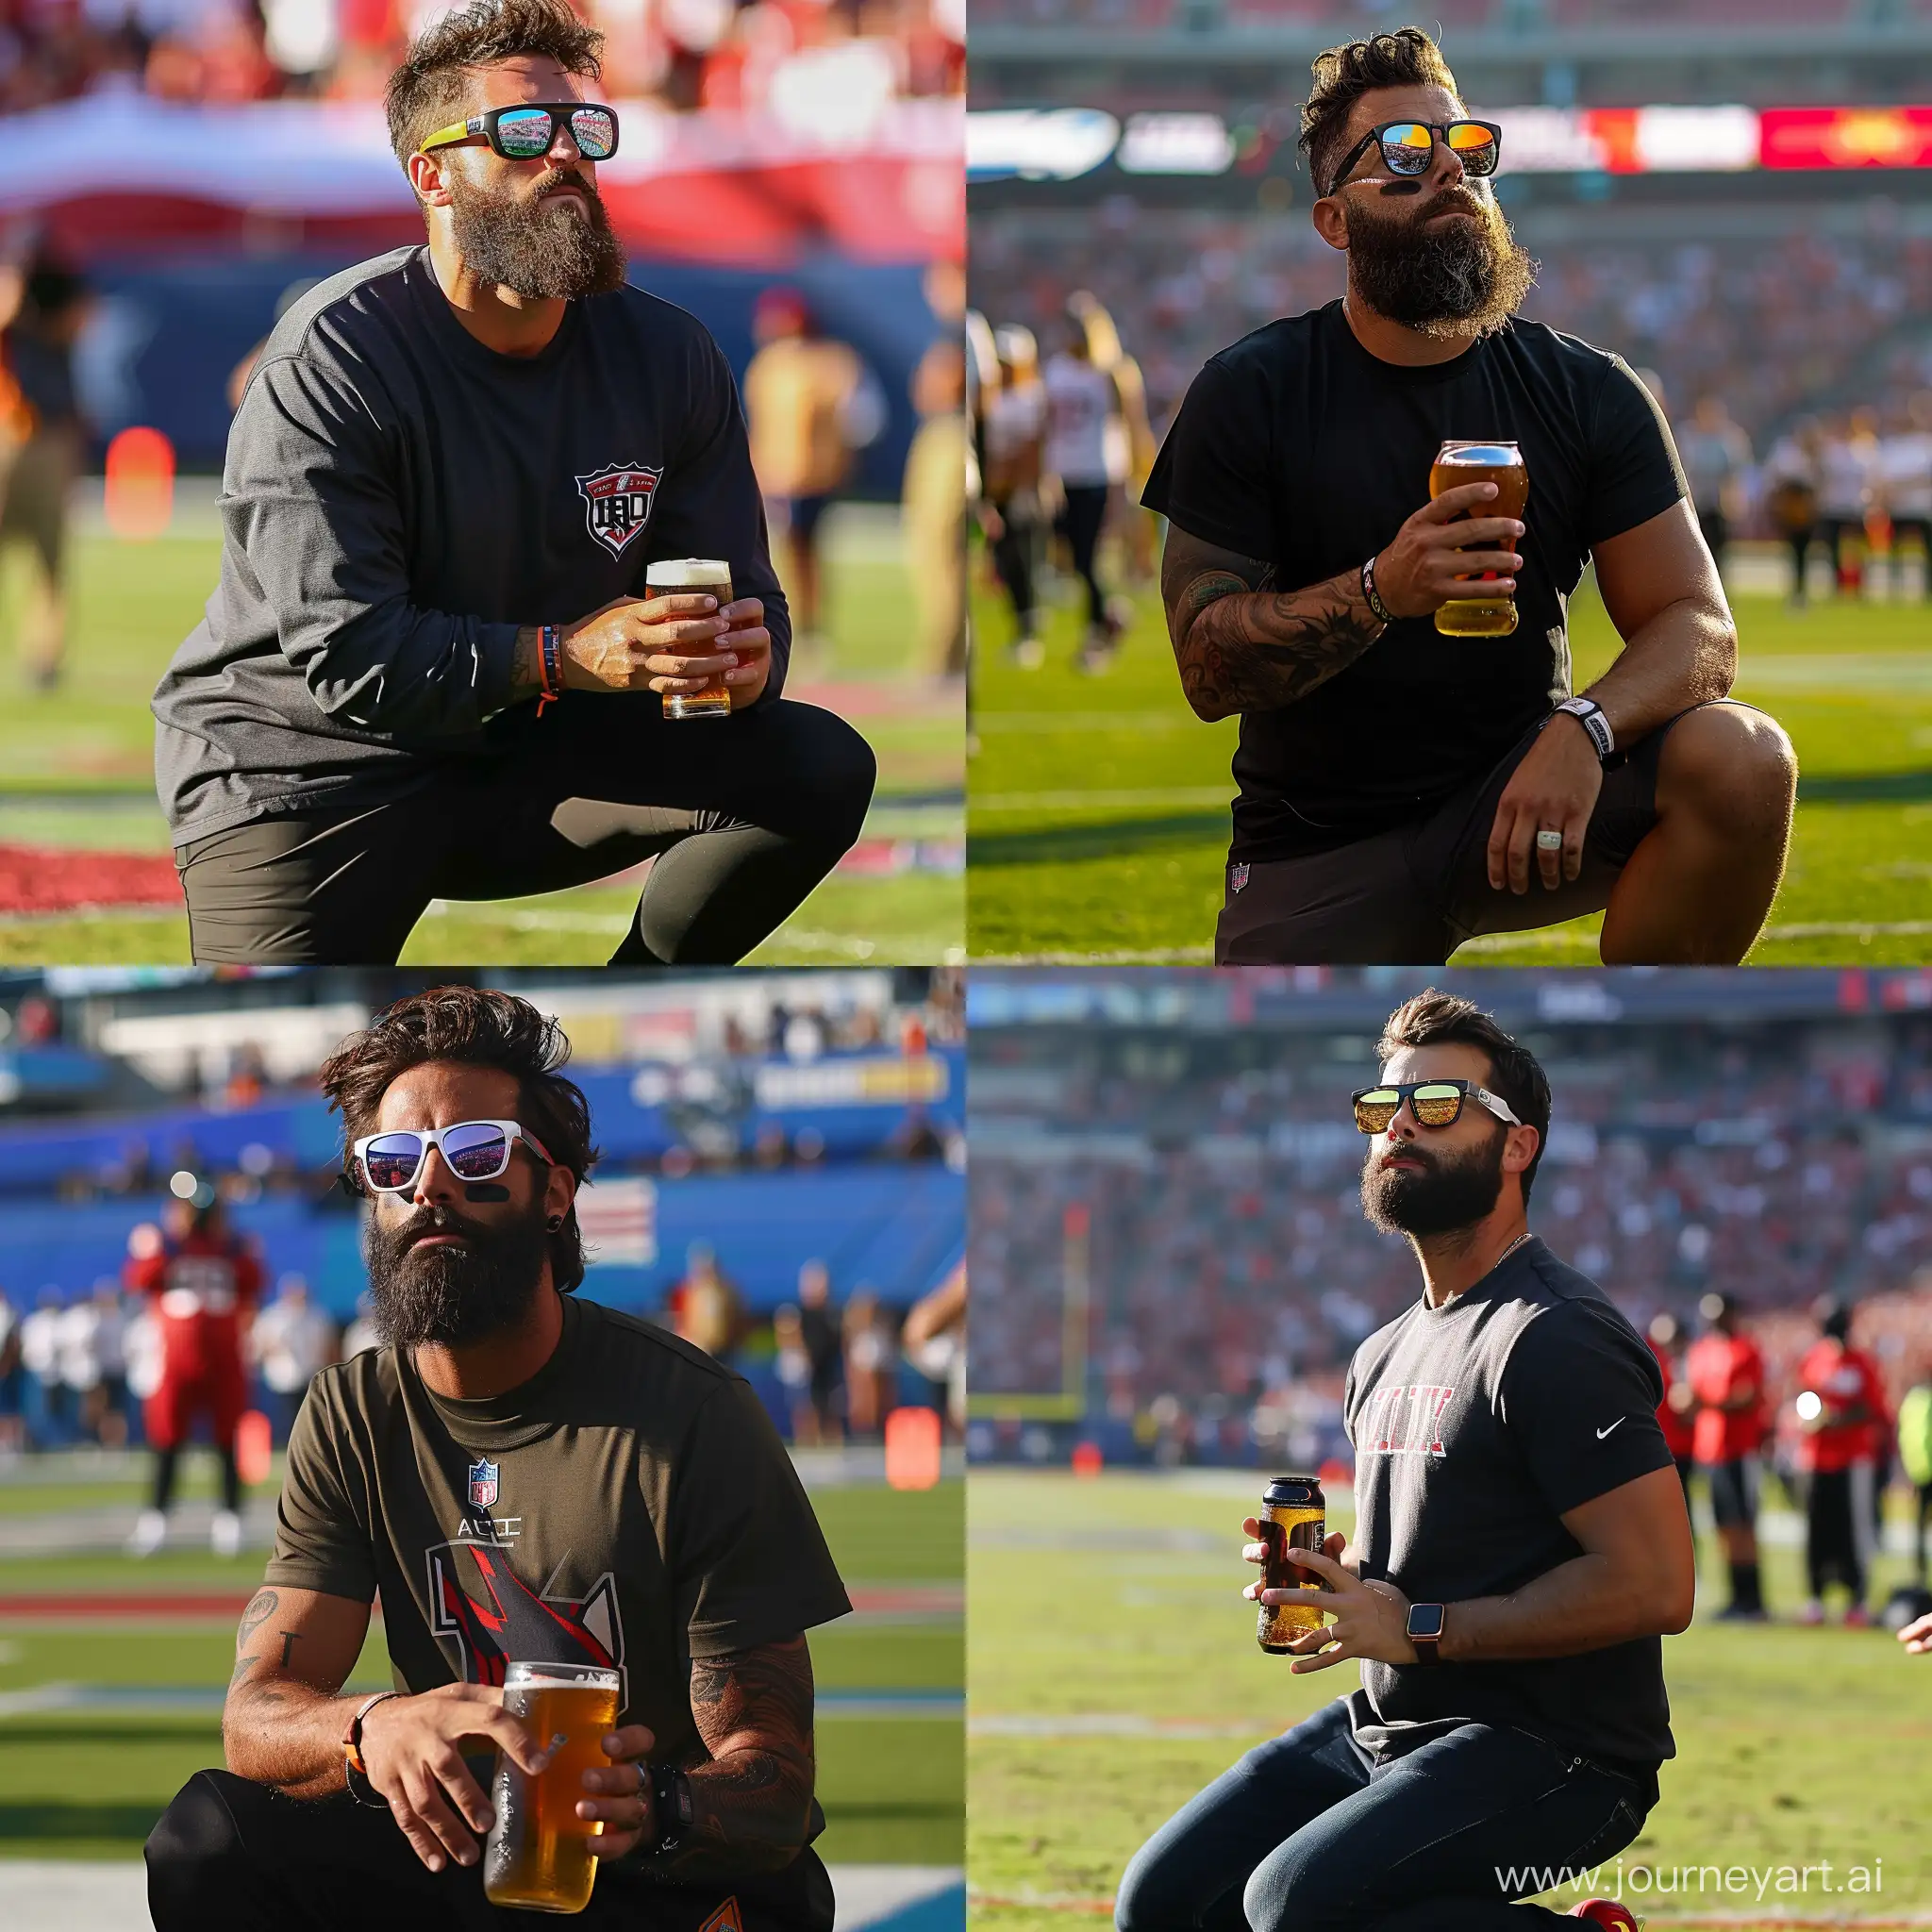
(1405, 56)
(480, 1027)
(427, 91)
(1441, 1019)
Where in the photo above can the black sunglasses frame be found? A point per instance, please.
(1439, 128)
(488, 125)
(1407, 1090)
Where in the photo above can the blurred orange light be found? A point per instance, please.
(912, 1448)
(139, 499)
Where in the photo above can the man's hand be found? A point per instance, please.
(1917, 1636)
(1423, 567)
(1371, 1618)
(1556, 785)
(627, 1814)
(672, 645)
(412, 1748)
(1254, 1551)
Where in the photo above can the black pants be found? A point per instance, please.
(1800, 542)
(1013, 557)
(1306, 1834)
(745, 815)
(1081, 522)
(1838, 1529)
(1924, 1522)
(235, 1855)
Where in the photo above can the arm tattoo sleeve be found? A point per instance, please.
(752, 1798)
(1241, 645)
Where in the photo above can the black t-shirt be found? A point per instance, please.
(1476, 1427)
(1299, 448)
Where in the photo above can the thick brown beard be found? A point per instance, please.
(1449, 1194)
(538, 252)
(1461, 282)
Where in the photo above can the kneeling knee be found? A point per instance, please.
(190, 1853)
(1734, 768)
(1288, 1892)
(844, 772)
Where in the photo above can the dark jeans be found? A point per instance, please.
(743, 815)
(235, 1855)
(1306, 1834)
(1082, 524)
(1013, 557)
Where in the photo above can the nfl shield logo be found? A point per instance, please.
(482, 1485)
(617, 503)
(1237, 877)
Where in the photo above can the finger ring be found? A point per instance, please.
(1547, 840)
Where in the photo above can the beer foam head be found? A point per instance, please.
(687, 571)
(1489, 456)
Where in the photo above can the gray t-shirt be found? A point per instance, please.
(1477, 1426)
(398, 500)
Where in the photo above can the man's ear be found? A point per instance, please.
(559, 1192)
(1520, 1146)
(1331, 221)
(428, 176)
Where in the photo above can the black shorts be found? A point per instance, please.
(599, 786)
(1410, 896)
(1734, 1492)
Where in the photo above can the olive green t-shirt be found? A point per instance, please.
(629, 1505)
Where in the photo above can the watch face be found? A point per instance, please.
(1424, 1620)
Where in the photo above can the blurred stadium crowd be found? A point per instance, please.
(782, 1185)
(1208, 1210)
(758, 54)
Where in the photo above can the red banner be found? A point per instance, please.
(1845, 138)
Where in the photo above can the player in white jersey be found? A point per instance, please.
(1848, 489)
(1087, 449)
(1905, 483)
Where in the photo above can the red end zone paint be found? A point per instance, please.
(42, 880)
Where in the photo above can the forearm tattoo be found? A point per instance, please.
(751, 1801)
(1241, 645)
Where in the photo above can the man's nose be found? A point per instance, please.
(434, 1180)
(1449, 171)
(564, 150)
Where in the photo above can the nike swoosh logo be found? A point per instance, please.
(1617, 1424)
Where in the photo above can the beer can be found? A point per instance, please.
(1293, 1517)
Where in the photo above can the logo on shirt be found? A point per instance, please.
(1617, 1424)
(483, 1485)
(1404, 1420)
(480, 1604)
(726, 1919)
(617, 503)
(1236, 877)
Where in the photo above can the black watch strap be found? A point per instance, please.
(1589, 714)
(670, 1806)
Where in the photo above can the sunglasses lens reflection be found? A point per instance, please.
(594, 130)
(392, 1160)
(526, 132)
(1374, 1111)
(1436, 1106)
(476, 1153)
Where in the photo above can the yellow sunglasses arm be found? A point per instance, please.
(457, 130)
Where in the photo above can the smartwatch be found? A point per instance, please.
(670, 1806)
(1589, 714)
(1426, 1622)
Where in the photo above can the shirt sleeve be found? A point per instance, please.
(324, 1536)
(748, 1561)
(1212, 477)
(310, 498)
(1634, 471)
(711, 505)
(1580, 1398)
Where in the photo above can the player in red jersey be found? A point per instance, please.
(204, 1282)
(1677, 1412)
(1842, 1414)
(1726, 1371)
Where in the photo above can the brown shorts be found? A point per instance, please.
(1410, 896)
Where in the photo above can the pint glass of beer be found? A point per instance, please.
(1492, 613)
(538, 1855)
(695, 576)
(1293, 1517)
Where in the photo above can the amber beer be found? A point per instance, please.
(695, 576)
(538, 1855)
(1293, 1517)
(1491, 614)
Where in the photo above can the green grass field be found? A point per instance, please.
(1098, 807)
(1105, 1621)
(76, 772)
(89, 1784)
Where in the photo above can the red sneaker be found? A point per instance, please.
(1607, 1911)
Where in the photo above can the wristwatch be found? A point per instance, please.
(1589, 714)
(354, 1768)
(670, 1806)
(1425, 1624)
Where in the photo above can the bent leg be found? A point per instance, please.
(1449, 1835)
(1697, 888)
(1189, 1876)
(232, 1853)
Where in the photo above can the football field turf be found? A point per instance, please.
(103, 1719)
(1098, 807)
(1114, 1674)
(77, 776)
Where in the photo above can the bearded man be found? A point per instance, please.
(1521, 1544)
(433, 668)
(1401, 791)
(524, 1476)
